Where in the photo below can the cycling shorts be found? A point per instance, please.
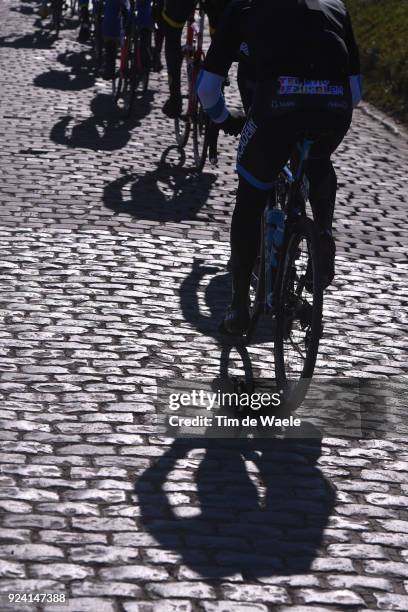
(277, 118)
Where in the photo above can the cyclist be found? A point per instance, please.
(111, 28)
(84, 22)
(175, 14)
(304, 59)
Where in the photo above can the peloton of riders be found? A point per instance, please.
(298, 68)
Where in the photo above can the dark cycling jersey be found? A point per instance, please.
(255, 33)
(312, 38)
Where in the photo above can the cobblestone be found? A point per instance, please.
(113, 279)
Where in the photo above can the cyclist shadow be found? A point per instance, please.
(217, 297)
(80, 77)
(171, 192)
(105, 130)
(25, 8)
(260, 507)
(39, 39)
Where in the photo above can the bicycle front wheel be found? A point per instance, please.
(298, 312)
(200, 137)
(182, 125)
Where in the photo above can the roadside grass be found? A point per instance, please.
(381, 30)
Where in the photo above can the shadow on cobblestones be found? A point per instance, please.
(25, 9)
(40, 39)
(80, 77)
(172, 192)
(261, 506)
(217, 297)
(105, 130)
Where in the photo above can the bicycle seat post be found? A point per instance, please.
(304, 147)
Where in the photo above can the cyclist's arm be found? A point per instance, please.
(218, 61)
(355, 68)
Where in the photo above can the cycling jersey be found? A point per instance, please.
(312, 38)
(243, 36)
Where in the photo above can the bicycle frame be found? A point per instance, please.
(194, 52)
(295, 208)
(126, 24)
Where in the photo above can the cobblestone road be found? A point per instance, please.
(112, 278)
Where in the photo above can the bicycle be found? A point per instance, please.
(286, 287)
(133, 74)
(193, 115)
(57, 11)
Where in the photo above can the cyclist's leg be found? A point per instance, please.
(263, 150)
(84, 25)
(214, 12)
(245, 232)
(323, 185)
(111, 35)
(158, 34)
(175, 14)
(246, 86)
(144, 20)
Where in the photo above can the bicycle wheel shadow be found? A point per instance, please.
(105, 130)
(171, 192)
(217, 296)
(81, 76)
(251, 508)
(39, 39)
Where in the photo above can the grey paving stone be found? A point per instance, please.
(112, 278)
(342, 597)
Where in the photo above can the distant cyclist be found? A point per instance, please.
(175, 14)
(111, 26)
(303, 58)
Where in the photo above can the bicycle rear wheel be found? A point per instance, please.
(200, 136)
(182, 125)
(298, 312)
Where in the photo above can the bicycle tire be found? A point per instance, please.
(294, 310)
(97, 35)
(200, 136)
(137, 81)
(182, 124)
